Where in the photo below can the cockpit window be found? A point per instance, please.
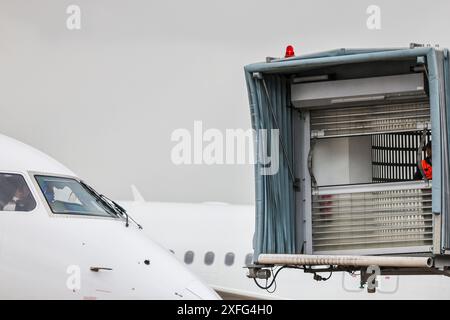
(69, 196)
(15, 194)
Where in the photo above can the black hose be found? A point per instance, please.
(267, 287)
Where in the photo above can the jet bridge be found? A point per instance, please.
(352, 129)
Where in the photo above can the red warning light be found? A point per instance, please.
(289, 52)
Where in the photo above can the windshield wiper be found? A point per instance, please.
(118, 209)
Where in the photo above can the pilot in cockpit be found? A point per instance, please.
(20, 198)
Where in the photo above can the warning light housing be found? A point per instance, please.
(289, 52)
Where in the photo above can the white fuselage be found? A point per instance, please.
(51, 258)
(222, 229)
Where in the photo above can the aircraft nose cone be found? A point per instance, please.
(197, 290)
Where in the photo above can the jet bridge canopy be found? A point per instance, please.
(352, 124)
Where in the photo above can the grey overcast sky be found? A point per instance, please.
(105, 99)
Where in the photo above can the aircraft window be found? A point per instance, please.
(229, 259)
(249, 259)
(68, 196)
(209, 258)
(15, 194)
(189, 257)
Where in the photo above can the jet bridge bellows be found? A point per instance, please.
(353, 128)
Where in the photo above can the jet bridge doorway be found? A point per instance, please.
(362, 157)
(353, 124)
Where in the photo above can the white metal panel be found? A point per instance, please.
(344, 160)
(331, 162)
(364, 89)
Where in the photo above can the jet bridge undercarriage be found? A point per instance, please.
(367, 267)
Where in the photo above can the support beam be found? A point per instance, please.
(355, 261)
